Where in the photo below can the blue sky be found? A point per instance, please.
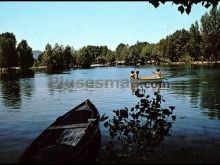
(93, 23)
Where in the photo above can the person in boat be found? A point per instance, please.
(137, 75)
(132, 75)
(158, 73)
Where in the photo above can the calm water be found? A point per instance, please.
(29, 104)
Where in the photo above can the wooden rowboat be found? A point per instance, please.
(72, 138)
(146, 79)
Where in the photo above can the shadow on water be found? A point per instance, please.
(13, 85)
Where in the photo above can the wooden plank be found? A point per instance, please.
(81, 125)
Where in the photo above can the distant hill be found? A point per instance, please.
(36, 53)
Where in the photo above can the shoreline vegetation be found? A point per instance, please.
(200, 44)
(5, 70)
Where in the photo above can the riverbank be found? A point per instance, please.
(187, 150)
(178, 149)
(105, 65)
(192, 63)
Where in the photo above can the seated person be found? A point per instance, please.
(158, 74)
(132, 75)
(137, 75)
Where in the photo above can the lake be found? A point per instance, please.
(30, 103)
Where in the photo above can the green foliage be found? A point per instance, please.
(186, 58)
(67, 56)
(134, 133)
(25, 55)
(194, 43)
(84, 58)
(178, 46)
(46, 56)
(94, 54)
(121, 51)
(134, 54)
(110, 57)
(163, 49)
(210, 30)
(8, 55)
(124, 55)
(146, 53)
(57, 57)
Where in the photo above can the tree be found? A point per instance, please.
(140, 46)
(74, 57)
(134, 54)
(53, 57)
(57, 56)
(155, 53)
(118, 51)
(210, 30)
(67, 57)
(110, 56)
(163, 48)
(8, 55)
(94, 53)
(125, 54)
(101, 56)
(46, 58)
(146, 53)
(104, 50)
(194, 41)
(25, 55)
(177, 46)
(84, 58)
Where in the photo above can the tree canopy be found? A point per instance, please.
(8, 55)
(12, 55)
(25, 55)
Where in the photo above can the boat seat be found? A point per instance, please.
(91, 120)
(81, 125)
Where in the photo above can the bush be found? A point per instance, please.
(134, 133)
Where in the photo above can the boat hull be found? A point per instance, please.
(72, 138)
(147, 79)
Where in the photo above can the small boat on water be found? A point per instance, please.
(146, 79)
(73, 138)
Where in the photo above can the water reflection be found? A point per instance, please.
(202, 87)
(198, 84)
(14, 85)
(11, 95)
(210, 99)
(156, 86)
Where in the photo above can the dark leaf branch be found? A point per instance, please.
(140, 129)
(186, 6)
